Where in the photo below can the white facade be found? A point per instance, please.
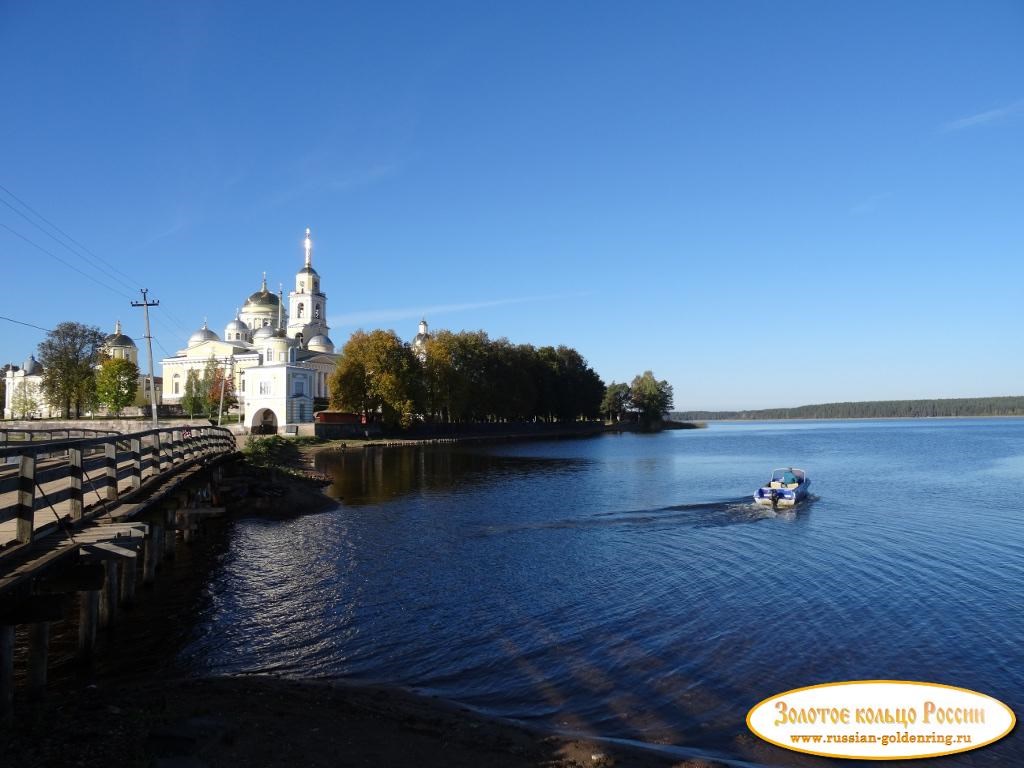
(279, 394)
(269, 353)
(23, 394)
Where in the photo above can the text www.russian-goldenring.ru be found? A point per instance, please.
(884, 740)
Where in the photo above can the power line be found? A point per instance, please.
(19, 322)
(62, 261)
(66, 235)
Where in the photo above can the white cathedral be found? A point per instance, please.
(278, 364)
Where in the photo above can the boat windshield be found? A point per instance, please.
(787, 476)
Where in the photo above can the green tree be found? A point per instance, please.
(377, 374)
(615, 401)
(192, 399)
(24, 399)
(650, 397)
(116, 384)
(68, 355)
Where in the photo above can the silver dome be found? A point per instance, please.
(31, 366)
(203, 334)
(320, 343)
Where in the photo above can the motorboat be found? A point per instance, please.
(787, 488)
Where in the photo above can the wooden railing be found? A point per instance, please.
(26, 435)
(43, 484)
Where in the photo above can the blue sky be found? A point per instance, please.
(767, 203)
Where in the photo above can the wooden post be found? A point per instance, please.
(128, 576)
(6, 670)
(88, 614)
(26, 498)
(75, 475)
(38, 656)
(110, 468)
(161, 459)
(170, 540)
(136, 454)
(151, 555)
(176, 456)
(110, 594)
(153, 455)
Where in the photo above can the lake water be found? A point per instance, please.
(626, 585)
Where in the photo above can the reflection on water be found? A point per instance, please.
(374, 475)
(628, 586)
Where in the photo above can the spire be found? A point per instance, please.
(309, 249)
(264, 282)
(280, 304)
(117, 327)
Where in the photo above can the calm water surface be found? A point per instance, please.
(626, 585)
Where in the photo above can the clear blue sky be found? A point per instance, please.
(767, 203)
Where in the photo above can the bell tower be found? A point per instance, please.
(307, 304)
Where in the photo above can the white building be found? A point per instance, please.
(23, 395)
(278, 367)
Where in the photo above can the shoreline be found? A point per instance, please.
(139, 704)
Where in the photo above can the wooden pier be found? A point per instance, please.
(87, 519)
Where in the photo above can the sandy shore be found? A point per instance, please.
(137, 706)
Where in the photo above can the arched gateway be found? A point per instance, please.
(263, 422)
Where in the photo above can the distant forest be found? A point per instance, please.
(877, 409)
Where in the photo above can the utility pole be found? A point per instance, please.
(223, 385)
(146, 304)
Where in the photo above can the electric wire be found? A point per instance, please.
(30, 325)
(65, 263)
(66, 235)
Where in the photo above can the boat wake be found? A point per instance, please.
(714, 514)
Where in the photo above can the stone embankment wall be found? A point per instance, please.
(115, 425)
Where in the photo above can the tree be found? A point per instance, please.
(377, 373)
(650, 397)
(68, 355)
(116, 384)
(192, 400)
(219, 388)
(615, 401)
(24, 399)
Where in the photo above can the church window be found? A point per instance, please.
(302, 287)
(302, 310)
(177, 384)
(264, 387)
(300, 387)
(316, 312)
(316, 286)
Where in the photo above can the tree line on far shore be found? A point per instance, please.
(463, 377)
(467, 377)
(875, 409)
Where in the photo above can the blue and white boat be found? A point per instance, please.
(787, 487)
